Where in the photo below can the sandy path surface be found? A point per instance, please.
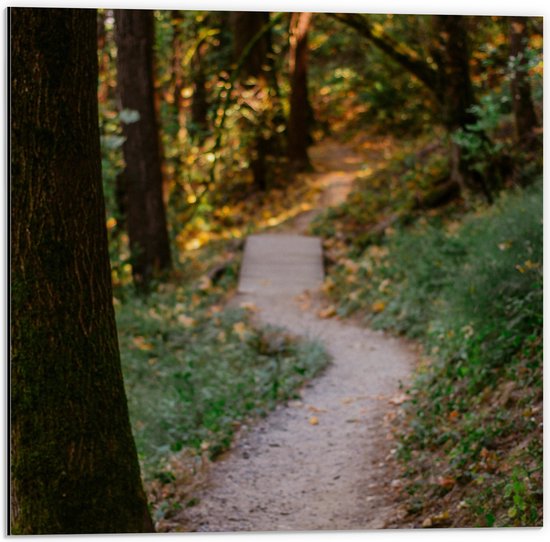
(316, 463)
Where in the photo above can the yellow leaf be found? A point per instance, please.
(186, 321)
(249, 306)
(350, 265)
(398, 399)
(328, 312)
(240, 329)
(111, 223)
(204, 283)
(378, 306)
(142, 344)
(314, 420)
(328, 285)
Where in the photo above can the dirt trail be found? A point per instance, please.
(317, 463)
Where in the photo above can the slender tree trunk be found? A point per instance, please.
(246, 25)
(524, 111)
(300, 108)
(199, 103)
(454, 77)
(146, 215)
(74, 467)
(455, 86)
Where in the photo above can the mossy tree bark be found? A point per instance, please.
(300, 108)
(143, 180)
(74, 467)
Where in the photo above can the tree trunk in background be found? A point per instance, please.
(300, 108)
(146, 216)
(246, 24)
(455, 86)
(259, 68)
(454, 78)
(199, 103)
(524, 111)
(74, 467)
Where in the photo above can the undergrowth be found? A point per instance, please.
(470, 289)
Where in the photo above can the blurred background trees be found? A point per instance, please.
(239, 97)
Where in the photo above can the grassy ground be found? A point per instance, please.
(469, 287)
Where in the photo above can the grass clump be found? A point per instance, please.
(471, 291)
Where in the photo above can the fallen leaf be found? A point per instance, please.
(328, 312)
(315, 409)
(249, 306)
(142, 344)
(453, 415)
(204, 283)
(328, 285)
(240, 329)
(186, 321)
(378, 306)
(446, 482)
(314, 420)
(398, 399)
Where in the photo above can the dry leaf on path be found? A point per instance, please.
(329, 312)
(249, 306)
(398, 399)
(312, 408)
(314, 420)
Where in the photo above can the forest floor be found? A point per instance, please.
(323, 461)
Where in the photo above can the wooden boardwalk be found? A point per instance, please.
(280, 264)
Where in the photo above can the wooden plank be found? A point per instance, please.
(281, 264)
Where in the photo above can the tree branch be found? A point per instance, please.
(421, 70)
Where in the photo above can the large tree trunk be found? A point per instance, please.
(74, 467)
(146, 215)
(524, 111)
(300, 108)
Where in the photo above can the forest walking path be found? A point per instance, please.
(316, 463)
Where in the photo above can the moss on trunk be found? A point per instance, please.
(74, 466)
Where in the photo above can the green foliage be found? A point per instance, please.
(471, 291)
